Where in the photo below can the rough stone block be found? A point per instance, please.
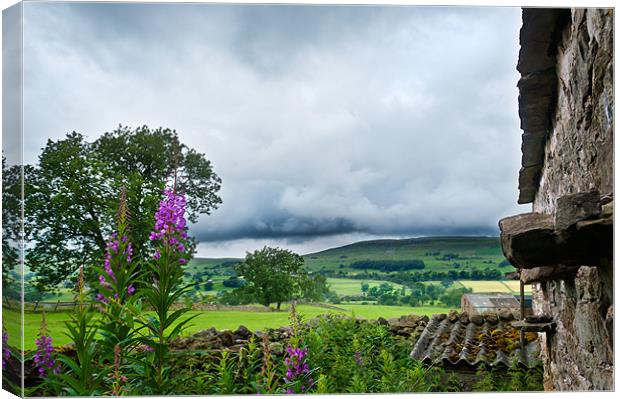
(573, 208)
(527, 239)
(530, 241)
(532, 149)
(547, 273)
(536, 38)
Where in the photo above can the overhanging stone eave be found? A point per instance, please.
(537, 91)
(531, 241)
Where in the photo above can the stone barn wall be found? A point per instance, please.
(579, 151)
(576, 154)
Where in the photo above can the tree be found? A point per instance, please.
(314, 287)
(365, 288)
(11, 226)
(447, 283)
(452, 297)
(233, 282)
(72, 191)
(273, 275)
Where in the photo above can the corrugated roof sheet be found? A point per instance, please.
(456, 340)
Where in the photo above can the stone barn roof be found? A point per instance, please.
(539, 38)
(459, 341)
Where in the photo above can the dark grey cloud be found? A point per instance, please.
(11, 84)
(326, 123)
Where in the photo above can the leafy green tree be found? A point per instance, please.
(274, 275)
(452, 297)
(365, 288)
(71, 194)
(314, 287)
(11, 226)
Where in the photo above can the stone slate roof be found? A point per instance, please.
(458, 341)
(537, 90)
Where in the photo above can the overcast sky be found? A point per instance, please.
(327, 125)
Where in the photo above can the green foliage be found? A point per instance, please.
(225, 382)
(71, 194)
(452, 297)
(116, 363)
(314, 287)
(515, 378)
(388, 265)
(82, 375)
(121, 307)
(167, 324)
(273, 275)
(356, 356)
(11, 226)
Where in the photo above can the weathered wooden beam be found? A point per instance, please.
(534, 327)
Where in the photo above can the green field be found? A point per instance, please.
(224, 319)
(63, 295)
(349, 286)
(509, 287)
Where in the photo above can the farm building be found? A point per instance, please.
(564, 247)
(474, 304)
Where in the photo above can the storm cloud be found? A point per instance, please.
(326, 123)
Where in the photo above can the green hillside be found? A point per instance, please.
(437, 253)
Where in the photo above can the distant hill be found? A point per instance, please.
(437, 253)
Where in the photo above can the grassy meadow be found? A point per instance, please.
(220, 319)
(438, 253)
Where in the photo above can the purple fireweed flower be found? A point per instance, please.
(102, 298)
(131, 289)
(169, 218)
(297, 369)
(119, 250)
(107, 267)
(43, 357)
(358, 358)
(6, 352)
(169, 228)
